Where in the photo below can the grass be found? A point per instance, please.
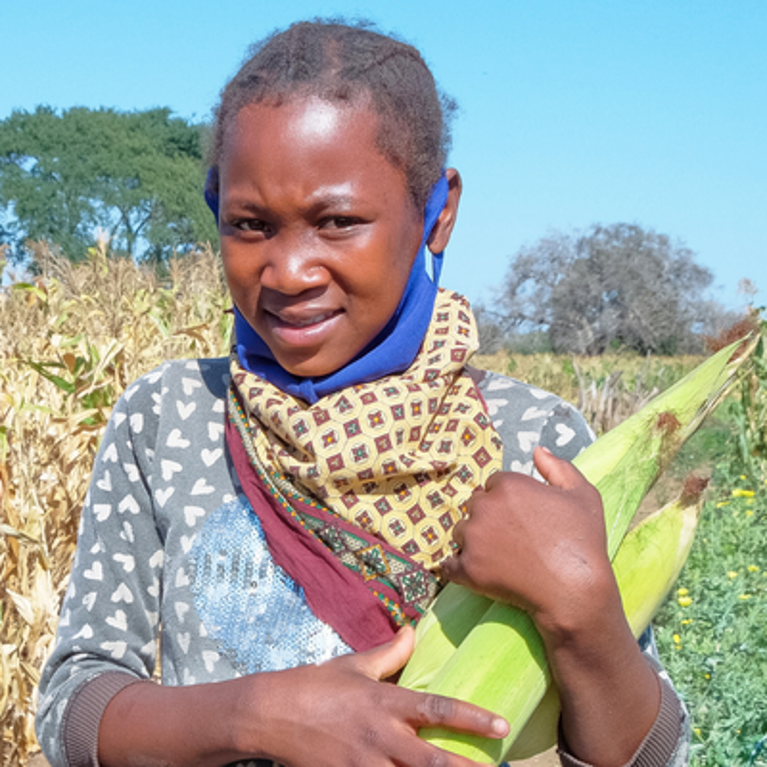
(712, 632)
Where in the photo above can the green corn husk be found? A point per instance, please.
(458, 611)
(646, 566)
(623, 465)
(446, 624)
(651, 557)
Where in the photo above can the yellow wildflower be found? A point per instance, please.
(682, 592)
(732, 574)
(738, 492)
(722, 503)
(753, 568)
(684, 601)
(744, 597)
(687, 621)
(677, 639)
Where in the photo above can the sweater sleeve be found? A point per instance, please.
(108, 627)
(525, 417)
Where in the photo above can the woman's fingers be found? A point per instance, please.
(457, 715)
(387, 659)
(556, 471)
(424, 709)
(418, 753)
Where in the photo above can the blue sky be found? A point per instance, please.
(571, 113)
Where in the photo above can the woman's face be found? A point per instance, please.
(318, 230)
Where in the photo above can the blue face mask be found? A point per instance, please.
(392, 351)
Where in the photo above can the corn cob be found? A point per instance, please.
(623, 465)
(447, 624)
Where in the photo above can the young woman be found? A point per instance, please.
(280, 519)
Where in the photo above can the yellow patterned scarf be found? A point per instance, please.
(398, 456)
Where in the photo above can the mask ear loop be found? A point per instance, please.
(436, 266)
(211, 191)
(434, 206)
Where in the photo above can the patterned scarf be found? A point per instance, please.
(396, 457)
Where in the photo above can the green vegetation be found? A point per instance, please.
(712, 633)
(136, 176)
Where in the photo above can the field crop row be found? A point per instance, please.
(73, 339)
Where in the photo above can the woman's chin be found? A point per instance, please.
(310, 364)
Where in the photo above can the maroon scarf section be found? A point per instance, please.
(335, 594)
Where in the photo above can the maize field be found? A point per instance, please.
(74, 337)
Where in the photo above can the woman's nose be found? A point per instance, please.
(292, 265)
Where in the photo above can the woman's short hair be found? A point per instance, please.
(340, 63)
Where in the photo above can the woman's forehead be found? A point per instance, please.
(309, 143)
(302, 118)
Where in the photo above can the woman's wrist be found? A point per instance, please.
(610, 696)
(586, 604)
(194, 725)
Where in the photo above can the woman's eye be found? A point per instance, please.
(250, 225)
(340, 222)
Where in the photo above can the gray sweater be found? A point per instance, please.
(168, 539)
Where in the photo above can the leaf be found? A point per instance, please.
(41, 368)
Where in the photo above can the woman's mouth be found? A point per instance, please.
(303, 322)
(305, 329)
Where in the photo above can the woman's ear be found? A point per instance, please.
(440, 233)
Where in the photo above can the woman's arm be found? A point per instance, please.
(110, 615)
(543, 548)
(319, 715)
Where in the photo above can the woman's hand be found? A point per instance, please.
(337, 713)
(341, 712)
(539, 546)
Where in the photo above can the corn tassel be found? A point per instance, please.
(622, 465)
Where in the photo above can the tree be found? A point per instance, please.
(137, 176)
(614, 286)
